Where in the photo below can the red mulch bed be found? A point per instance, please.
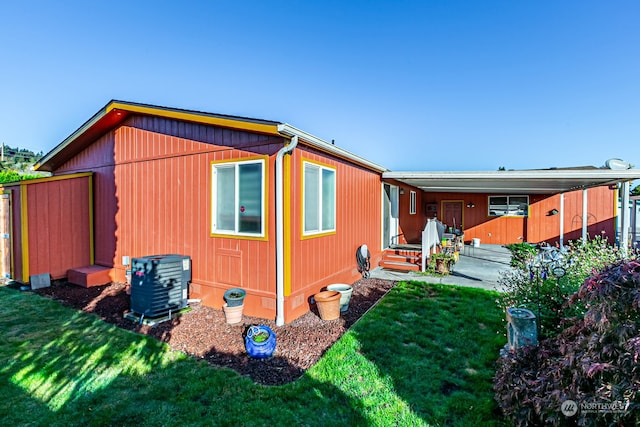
(203, 332)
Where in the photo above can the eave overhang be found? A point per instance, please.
(321, 145)
(116, 112)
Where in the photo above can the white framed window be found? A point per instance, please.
(318, 199)
(412, 203)
(508, 205)
(238, 198)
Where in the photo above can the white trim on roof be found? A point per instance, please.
(322, 145)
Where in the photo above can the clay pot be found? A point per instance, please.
(233, 314)
(328, 303)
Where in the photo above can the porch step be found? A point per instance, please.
(401, 259)
(411, 259)
(91, 275)
(403, 266)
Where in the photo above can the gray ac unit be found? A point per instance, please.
(159, 284)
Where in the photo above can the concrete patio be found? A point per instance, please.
(478, 267)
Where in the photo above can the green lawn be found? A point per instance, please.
(423, 356)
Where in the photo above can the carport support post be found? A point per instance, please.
(585, 213)
(561, 219)
(624, 219)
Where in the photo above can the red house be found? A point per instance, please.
(256, 204)
(260, 205)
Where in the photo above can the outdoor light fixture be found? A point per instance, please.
(553, 212)
(401, 190)
(471, 205)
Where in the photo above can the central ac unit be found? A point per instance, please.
(159, 284)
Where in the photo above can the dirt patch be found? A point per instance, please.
(204, 333)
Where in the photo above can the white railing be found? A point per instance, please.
(431, 238)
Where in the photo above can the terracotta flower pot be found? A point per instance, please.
(328, 303)
(233, 314)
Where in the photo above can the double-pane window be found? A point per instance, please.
(238, 198)
(508, 205)
(319, 198)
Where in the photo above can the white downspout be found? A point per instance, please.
(585, 214)
(561, 220)
(280, 229)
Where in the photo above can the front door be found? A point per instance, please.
(5, 234)
(452, 214)
(389, 215)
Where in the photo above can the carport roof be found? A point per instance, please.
(537, 181)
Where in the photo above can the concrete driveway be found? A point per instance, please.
(477, 267)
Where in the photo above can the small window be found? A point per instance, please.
(319, 199)
(508, 205)
(412, 203)
(238, 205)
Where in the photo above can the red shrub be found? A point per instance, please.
(594, 361)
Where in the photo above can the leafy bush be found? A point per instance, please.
(10, 175)
(594, 361)
(546, 294)
(431, 269)
(522, 254)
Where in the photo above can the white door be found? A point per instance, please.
(390, 211)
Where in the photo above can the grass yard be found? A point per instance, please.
(423, 356)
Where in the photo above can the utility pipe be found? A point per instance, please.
(280, 228)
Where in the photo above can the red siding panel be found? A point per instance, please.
(153, 196)
(538, 227)
(319, 261)
(58, 226)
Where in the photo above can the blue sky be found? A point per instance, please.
(412, 85)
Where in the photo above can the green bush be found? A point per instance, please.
(10, 175)
(522, 254)
(534, 285)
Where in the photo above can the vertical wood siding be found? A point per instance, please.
(58, 226)
(600, 216)
(539, 226)
(153, 196)
(411, 226)
(320, 261)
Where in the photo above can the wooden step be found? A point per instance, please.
(402, 252)
(90, 275)
(411, 259)
(403, 266)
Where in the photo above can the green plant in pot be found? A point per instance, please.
(443, 262)
(235, 297)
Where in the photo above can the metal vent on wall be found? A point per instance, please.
(159, 284)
